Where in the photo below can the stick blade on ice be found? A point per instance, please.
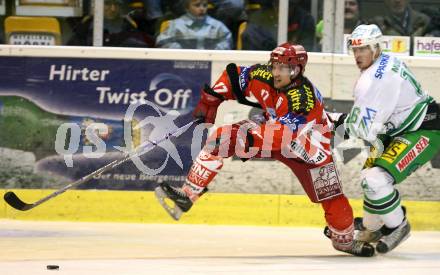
(15, 201)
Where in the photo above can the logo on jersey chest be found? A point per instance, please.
(360, 122)
(382, 65)
(292, 121)
(261, 73)
(301, 99)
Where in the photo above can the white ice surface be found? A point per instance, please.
(118, 249)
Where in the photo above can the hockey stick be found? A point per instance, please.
(231, 69)
(13, 200)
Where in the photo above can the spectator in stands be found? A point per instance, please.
(119, 30)
(352, 17)
(195, 30)
(153, 9)
(301, 28)
(170, 10)
(433, 28)
(138, 10)
(262, 28)
(318, 34)
(402, 19)
(227, 11)
(175, 7)
(230, 12)
(154, 12)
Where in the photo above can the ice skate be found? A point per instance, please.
(180, 200)
(360, 249)
(357, 248)
(363, 234)
(393, 237)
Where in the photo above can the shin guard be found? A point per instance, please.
(202, 172)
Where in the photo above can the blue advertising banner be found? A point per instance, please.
(52, 107)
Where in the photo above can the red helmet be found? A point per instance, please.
(290, 54)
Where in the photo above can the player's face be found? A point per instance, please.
(364, 57)
(112, 10)
(397, 6)
(198, 8)
(281, 74)
(351, 9)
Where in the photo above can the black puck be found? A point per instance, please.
(53, 267)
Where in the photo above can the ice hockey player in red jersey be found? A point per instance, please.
(295, 131)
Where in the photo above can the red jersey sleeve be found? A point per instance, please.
(223, 86)
(251, 80)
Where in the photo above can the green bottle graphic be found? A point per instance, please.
(27, 127)
(28, 135)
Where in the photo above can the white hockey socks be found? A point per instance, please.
(381, 198)
(202, 172)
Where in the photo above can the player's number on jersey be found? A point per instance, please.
(353, 117)
(406, 74)
(355, 124)
(264, 94)
(220, 88)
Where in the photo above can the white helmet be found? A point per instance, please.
(365, 35)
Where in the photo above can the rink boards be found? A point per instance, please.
(335, 75)
(212, 209)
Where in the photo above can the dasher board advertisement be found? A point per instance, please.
(427, 46)
(62, 118)
(396, 45)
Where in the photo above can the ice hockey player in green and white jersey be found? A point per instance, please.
(390, 109)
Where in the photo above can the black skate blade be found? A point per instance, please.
(173, 210)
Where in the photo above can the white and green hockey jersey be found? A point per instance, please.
(387, 100)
